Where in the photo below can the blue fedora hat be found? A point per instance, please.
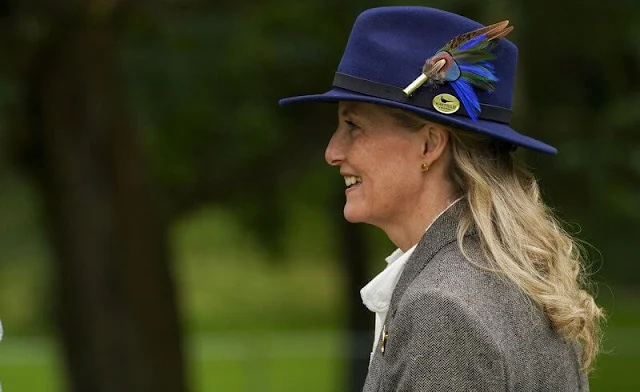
(404, 57)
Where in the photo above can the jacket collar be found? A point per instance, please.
(443, 231)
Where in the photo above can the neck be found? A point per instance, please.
(408, 231)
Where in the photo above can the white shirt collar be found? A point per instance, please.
(376, 295)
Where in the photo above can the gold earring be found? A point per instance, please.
(425, 167)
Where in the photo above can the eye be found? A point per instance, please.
(351, 125)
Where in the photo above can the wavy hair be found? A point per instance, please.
(521, 238)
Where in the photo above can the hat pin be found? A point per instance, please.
(464, 62)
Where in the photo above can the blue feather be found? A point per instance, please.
(471, 43)
(486, 65)
(468, 97)
(479, 70)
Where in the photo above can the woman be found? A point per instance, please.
(485, 290)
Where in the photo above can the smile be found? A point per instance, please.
(350, 181)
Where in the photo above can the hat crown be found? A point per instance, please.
(390, 45)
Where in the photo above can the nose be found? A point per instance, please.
(334, 153)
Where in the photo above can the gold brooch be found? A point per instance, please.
(385, 336)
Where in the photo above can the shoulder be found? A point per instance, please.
(458, 297)
(448, 302)
(464, 278)
(454, 292)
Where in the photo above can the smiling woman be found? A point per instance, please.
(486, 290)
(372, 147)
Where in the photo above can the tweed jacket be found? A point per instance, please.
(453, 327)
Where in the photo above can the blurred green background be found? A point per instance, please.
(155, 197)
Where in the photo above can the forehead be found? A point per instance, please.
(360, 109)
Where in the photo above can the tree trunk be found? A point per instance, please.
(117, 309)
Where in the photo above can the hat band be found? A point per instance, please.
(380, 90)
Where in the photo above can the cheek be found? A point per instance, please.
(396, 180)
(392, 167)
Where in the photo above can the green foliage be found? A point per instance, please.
(204, 83)
(227, 285)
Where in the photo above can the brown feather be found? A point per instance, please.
(501, 33)
(494, 31)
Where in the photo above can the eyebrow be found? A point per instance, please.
(349, 111)
(345, 112)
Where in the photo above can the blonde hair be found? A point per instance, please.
(522, 239)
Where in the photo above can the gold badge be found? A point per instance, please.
(446, 103)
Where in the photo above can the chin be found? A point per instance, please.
(353, 214)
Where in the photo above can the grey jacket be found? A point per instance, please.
(452, 326)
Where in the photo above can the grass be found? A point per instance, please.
(295, 361)
(249, 361)
(309, 361)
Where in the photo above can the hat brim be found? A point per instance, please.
(494, 129)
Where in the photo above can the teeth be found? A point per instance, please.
(352, 180)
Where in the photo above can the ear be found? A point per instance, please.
(435, 141)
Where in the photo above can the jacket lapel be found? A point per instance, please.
(442, 232)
